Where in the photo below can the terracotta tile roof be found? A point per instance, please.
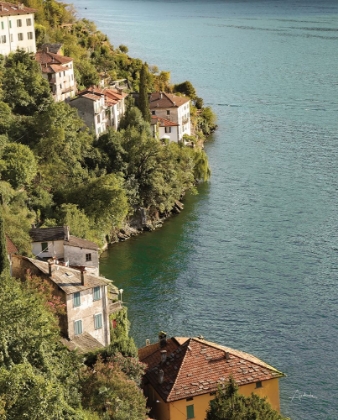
(44, 57)
(69, 279)
(195, 367)
(82, 343)
(10, 247)
(162, 121)
(10, 9)
(111, 96)
(166, 100)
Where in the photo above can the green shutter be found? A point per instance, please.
(78, 327)
(97, 293)
(190, 412)
(98, 321)
(76, 299)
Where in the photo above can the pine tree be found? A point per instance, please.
(143, 101)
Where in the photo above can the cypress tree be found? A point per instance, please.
(4, 263)
(143, 101)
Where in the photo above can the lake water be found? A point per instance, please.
(251, 263)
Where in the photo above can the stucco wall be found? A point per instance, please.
(77, 256)
(55, 249)
(13, 31)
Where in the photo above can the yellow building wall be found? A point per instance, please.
(177, 410)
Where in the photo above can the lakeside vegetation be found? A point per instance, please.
(53, 169)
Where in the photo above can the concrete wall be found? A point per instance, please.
(64, 80)
(86, 311)
(77, 257)
(173, 135)
(88, 110)
(55, 249)
(178, 115)
(10, 30)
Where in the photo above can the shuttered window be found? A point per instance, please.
(190, 412)
(76, 299)
(97, 293)
(98, 321)
(78, 327)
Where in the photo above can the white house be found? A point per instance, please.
(164, 129)
(59, 71)
(173, 108)
(16, 28)
(85, 324)
(100, 108)
(57, 243)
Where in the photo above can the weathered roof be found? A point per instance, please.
(69, 279)
(59, 233)
(81, 243)
(166, 100)
(195, 366)
(111, 96)
(43, 57)
(56, 233)
(162, 121)
(53, 48)
(82, 343)
(10, 247)
(10, 9)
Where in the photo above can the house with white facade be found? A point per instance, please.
(58, 70)
(164, 129)
(57, 243)
(100, 108)
(85, 325)
(16, 28)
(172, 108)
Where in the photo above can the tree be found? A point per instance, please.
(4, 265)
(186, 88)
(19, 165)
(143, 100)
(230, 405)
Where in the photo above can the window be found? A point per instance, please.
(76, 299)
(20, 37)
(44, 247)
(3, 39)
(10, 23)
(88, 257)
(29, 22)
(2, 25)
(11, 37)
(29, 35)
(153, 112)
(19, 23)
(97, 293)
(190, 412)
(167, 129)
(78, 327)
(98, 321)
(259, 384)
(168, 112)
(98, 118)
(189, 398)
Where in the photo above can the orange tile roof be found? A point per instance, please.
(195, 366)
(44, 57)
(10, 9)
(166, 100)
(111, 96)
(162, 121)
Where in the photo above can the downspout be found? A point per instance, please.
(106, 317)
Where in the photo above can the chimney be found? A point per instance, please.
(162, 336)
(83, 275)
(161, 96)
(51, 266)
(227, 355)
(66, 232)
(163, 356)
(160, 376)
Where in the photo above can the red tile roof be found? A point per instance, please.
(52, 63)
(166, 100)
(162, 121)
(111, 96)
(10, 9)
(195, 366)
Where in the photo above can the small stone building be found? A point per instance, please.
(57, 243)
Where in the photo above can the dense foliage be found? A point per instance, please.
(230, 405)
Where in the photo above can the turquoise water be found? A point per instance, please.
(252, 260)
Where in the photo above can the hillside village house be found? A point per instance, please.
(183, 374)
(16, 28)
(164, 129)
(85, 325)
(57, 243)
(100, 108)
(58, 70)
(172, 108)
